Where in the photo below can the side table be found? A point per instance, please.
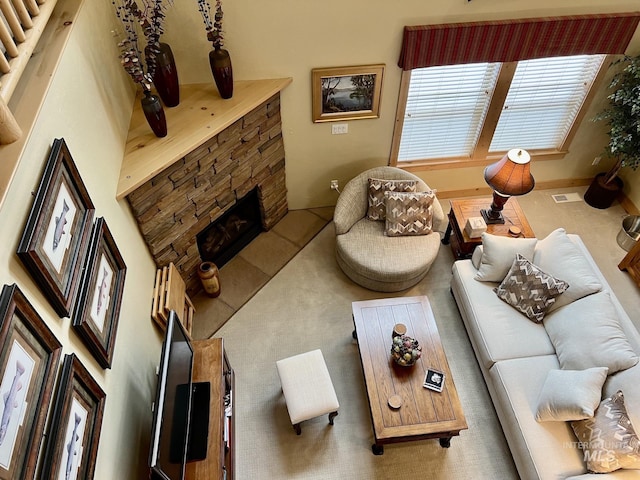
(461, 244)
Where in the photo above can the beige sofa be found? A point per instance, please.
(365, 254)
(515, 354)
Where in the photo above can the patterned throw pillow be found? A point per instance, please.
(608, 440)
(377, 187)
(408, 213)
(528, 289)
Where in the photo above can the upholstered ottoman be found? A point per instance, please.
(307, 388)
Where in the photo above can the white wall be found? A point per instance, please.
(89, 104)
(282, 38)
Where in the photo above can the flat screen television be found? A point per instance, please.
(172, 407)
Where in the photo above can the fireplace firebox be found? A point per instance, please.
(224, 238)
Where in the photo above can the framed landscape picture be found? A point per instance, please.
(346, 93)
(74, 432)
(98, 307)
(29, 357)
(55, 238)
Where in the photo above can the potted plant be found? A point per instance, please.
(623, 119)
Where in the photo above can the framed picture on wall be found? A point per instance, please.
(76, 420)
(54, 241)
(95, 318)
(346, 93)
(29, 358)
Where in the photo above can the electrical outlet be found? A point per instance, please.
(596, 160)
(339, 128)
(334, 185)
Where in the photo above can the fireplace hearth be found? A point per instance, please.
(224, 238)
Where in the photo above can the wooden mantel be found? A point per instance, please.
(201, 115)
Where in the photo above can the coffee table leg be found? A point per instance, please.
(377, 449)
(445, 442)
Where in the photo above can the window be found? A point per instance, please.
(471, 112)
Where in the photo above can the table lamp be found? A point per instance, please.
(508, 177)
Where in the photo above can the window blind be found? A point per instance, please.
(445, 110)
(543, 101)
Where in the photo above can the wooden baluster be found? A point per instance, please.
(13, 21)
(32, 6)
(23, 14)
(10, 131)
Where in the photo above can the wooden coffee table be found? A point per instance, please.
(424, 413)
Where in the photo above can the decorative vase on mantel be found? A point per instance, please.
(220, 62)
(154, 113)
(165, 77)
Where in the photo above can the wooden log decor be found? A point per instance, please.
(10, 131)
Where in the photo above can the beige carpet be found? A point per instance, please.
(307, 305)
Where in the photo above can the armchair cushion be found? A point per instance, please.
(377, 189)
(408, 213)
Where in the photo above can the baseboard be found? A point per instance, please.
(628, 205)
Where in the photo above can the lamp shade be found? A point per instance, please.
(511, 175)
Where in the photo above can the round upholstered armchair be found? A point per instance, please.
(366, 254)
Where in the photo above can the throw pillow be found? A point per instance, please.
(498, 254)
(570, 394)
(408, 213)
(528, 289)
(587, 333)
(377, 187)
(557, 255)
(608, 440)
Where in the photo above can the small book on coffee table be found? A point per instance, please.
(434, 380)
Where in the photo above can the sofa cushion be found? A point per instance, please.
(608, 439)
(377, 187)
(408, 213)
(498, 254)
(528, 289)
(557, 255)
(587, 333)
(570, 394)
(541, 450)
(495, 329)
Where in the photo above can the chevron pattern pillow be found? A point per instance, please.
(529, 290)
(408, 213)
(608, 440)
(377, 187)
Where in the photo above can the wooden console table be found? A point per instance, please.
(210, 364)
(461, 244)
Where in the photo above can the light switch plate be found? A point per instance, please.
(339, 128)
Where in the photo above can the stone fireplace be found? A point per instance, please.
(180, 202)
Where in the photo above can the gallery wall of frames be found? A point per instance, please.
(73, 258)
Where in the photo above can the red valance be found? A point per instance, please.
(512, 40)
